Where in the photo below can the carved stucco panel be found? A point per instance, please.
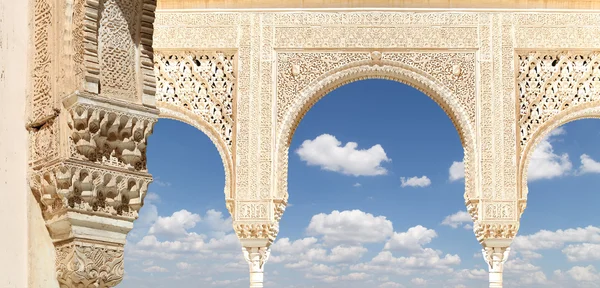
(117, 49)
(555, 87)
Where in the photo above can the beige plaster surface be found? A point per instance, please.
(311, 4)
(41, 249)
(14, 38)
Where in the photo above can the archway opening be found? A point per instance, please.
(559, 231)
(184, 235)
(375, 182)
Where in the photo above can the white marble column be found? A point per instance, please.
(256, 258)
(495, 258)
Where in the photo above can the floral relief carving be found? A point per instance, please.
(203, 84)
(89, 266)
(257, 230)
(73, 187)
(109, 136)
(495, 230)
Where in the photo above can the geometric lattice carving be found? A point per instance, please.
(202, 84)
(117, 49)
(549, 83)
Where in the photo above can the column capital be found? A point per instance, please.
(256, 258)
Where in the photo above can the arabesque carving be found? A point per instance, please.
(203, 84)
(86, 265)
(117, 37)
(550, 83)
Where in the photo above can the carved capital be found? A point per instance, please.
(495, 257)
(87, 265)
(256, 257)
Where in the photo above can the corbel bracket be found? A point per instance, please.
(34, 126)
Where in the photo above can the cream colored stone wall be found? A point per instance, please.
(14, 46)
(41, 249)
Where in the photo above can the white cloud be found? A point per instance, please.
(582, 252)
(183, 265)
(427, 259)
(545, 164)
(390, 284)
(326, 151)
(413, 239)
(350, 227)
(357, 184)
(418, 281)
(588, 165)
(422, 181)
(151, 198)
(458, 219)
(153, 269)
(176, 224)
(584, 274)
(284, 245)
(457, 171)
(555, 240)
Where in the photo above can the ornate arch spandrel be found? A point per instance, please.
(198, 88)
(448, 78)
(555, 87)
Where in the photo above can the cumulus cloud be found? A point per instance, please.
(582, 252)
(326, 152)
(153, 269)
(176, 224)
(545, 239)
(457, 219)
(588, 165)
(413, 239)
(544, 163)
(422, 181)
(457, 171)
(350, 227)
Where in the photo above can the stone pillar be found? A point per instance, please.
(91, 193)
(256, 257)
(495, 258)
(256, 237)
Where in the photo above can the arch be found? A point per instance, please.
(382, 69)
(589, 110)
(173, 112)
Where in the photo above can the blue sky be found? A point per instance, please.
(376, 200)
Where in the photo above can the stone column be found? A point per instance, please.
(495, 258)
(257, 258)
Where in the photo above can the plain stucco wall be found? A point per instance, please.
(14, 40)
